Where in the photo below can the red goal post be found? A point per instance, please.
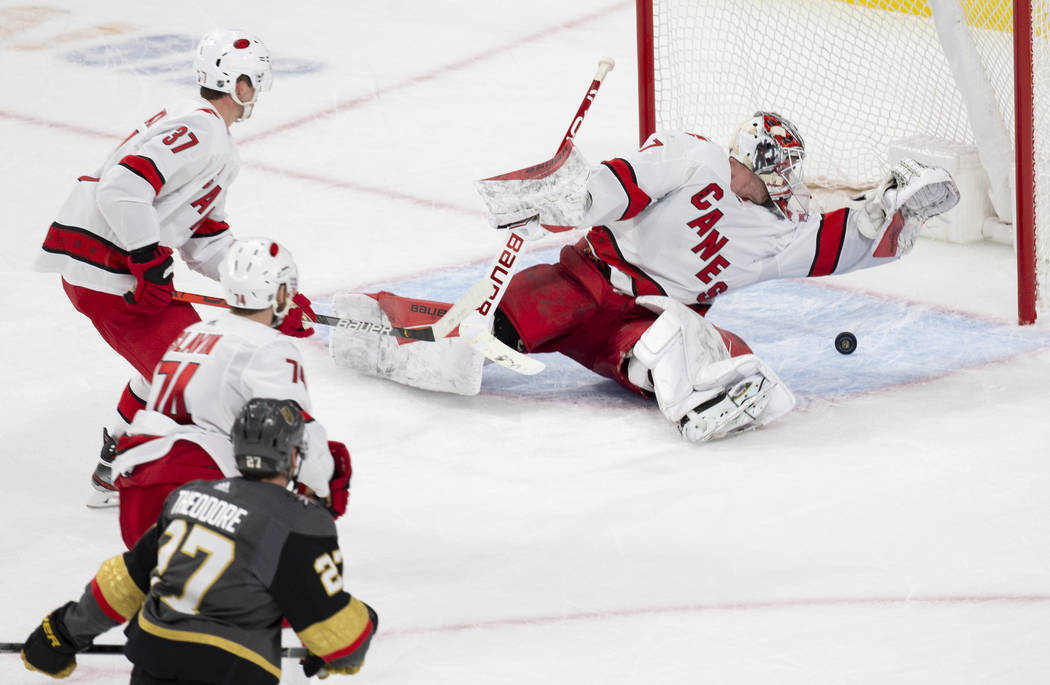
(868, 81)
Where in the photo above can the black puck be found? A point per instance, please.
(845, 342)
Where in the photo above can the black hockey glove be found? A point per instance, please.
(49, 649)
(314, 665)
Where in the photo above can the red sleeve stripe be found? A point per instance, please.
(350, 648)
(129, 404)
(637, 200)
(208, 228)
(108, 610)
(144, 168)
(830, 238)
(604, 245)
(85, 246)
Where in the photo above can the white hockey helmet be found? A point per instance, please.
(771, 146)
(252, 272)
(224, 55)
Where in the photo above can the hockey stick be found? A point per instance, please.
(436, 331)
(475, 329)
(286, 652)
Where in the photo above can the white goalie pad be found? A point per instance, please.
(445, 365)
(555, 191)
(921, 191)
(701, 389)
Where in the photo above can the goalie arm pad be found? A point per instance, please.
(555, 192)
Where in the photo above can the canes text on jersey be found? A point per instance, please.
(711, 241)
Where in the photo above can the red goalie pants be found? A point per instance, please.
(141, 337)
(570, 307)
(142, 494)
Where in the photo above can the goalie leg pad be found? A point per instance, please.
(676, 349)
(750, 395)
(446, 365)
(700, 388)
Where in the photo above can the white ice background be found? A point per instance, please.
(893, 529)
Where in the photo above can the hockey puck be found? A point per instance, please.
(845, 342)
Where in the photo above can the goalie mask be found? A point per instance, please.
(771, 146)
(253, 272)
(266, 435)
(224, 55)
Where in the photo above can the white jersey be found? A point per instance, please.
(202, 382)
(667, 223)
(167, 183)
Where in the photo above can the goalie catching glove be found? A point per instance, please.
(896, 211)
(554, 193)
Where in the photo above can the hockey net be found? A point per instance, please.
(861, 79)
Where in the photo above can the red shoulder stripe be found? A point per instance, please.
(144, 168)
(210, 111)
(637, 199)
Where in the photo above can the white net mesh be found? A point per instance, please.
(853, 75)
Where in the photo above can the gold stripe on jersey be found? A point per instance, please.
(117, 587)
(342, 629)
(230, 646)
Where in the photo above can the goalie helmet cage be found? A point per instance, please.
(856, 75)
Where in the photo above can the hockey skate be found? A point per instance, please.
(728, 412)
(103, 491)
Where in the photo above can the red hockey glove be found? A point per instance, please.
(49, 649)
(295, 321)
(340, 483)
(152, 267)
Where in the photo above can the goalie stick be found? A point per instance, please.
(286, 652)
(441, 328)
(475, 329)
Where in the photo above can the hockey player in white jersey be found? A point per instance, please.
(674, 225)
(204, 379)
(164, 188)
(679, 222)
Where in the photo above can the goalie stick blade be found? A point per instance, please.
(15, 647)
(488, 345)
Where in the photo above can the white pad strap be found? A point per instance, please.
(445, 365)
(555, 191)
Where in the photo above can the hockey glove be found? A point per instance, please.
(49, 649)
(152, 267)
(347, 665)
(314, 665)
(340, 483)
(295, 321)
